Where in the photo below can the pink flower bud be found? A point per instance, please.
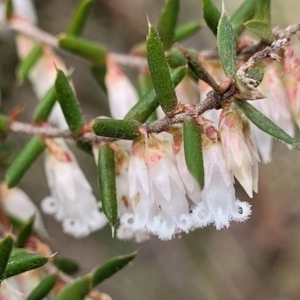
(122, 95)
(236, 150)
(291, 64)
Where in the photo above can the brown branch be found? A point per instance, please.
(52, 132)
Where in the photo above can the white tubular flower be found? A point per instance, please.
(156, 190)
(219, 205)
(241, 160)
(25, 9)
(122, 95)
(16, 204)
(72, 201)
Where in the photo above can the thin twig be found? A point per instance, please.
(52, 132)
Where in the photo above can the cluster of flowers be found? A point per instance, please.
(156, 193)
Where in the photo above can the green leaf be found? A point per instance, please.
(23, 161)
(107, 183)
(79, 17)
(25, 66)
(263, 11)
(3, 125)
(68, 103)
(261, 30)
(226, 45)
(25, 232)
(265, 124)
(9, 9)
(193, 150)
(119, 129)
(143, 109)
(146, 86)
(76, 289)
(111, 267)
(199, 71)
(66, 265)
(93, 52)
(22, 261)
(186, 30)
(160, 73)
(43, 288)
(80, 287)
(6, 246)
(211, 15)
(243, 14)
(168, 22)
(145, 83)
(175, 59)
(99, 73)
(44, 107)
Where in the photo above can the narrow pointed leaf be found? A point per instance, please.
(111, 267)
(66, 265)
(168, 22)
(93, 52)
(6, 246)
(145, 82)
(199, 71)
(23, 161)
(26, 65)
(263, 11)
(143, 109)
(119, 129)
(265, 124)
(99, 73)
(44, 107)
(23, 261)
(186, 30)
(9, 9)
(243, 14)
(146, 86)
(25, 232)
(68, 103)
(227, 46)
(43, 288)
(160, 73)
(3, 124)
(175, 59)
(260, 29)
(79, 17)
(211, 15)
(107, 183)
(76, 289)
(193, 150)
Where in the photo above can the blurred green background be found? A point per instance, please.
(259, 259)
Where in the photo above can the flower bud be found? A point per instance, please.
(122, 95)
